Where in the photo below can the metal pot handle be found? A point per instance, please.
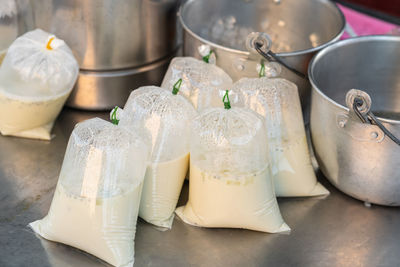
(360, 103)
(261, 43)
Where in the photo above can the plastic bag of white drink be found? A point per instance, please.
(36, 77)
(96, 202)
(202, 83)
(166, 117)
(277, 100)
(230, 181)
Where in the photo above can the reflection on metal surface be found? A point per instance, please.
(59, 255)
(336, 231)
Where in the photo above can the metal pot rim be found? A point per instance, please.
(336, 45)
(184, 6)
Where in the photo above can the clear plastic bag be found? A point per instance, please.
(202, 83)
(166, 117)
(277, 100)
(96, 202)
(230, 180)
(36, 77)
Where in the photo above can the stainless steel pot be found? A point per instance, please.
(298, 29)
(117, 43)
(358, 158)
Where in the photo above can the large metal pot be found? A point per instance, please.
(358, 158)
(298, 29)
(119, 44)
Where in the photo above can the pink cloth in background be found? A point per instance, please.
(365, 25)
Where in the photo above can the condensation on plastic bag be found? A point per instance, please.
(166, 118)
(96, 202)
(277, 100)
(36, 78)
(202, 83)
(230, 180)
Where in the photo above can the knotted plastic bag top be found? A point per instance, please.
(38, 65)
(202, 83)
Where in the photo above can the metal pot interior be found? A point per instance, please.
(371, 64)
(293, 25)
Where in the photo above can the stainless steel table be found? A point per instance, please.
(336, 231)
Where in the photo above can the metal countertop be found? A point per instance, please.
(335, 231)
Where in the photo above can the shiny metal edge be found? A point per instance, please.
(125, 72)
(148, 74)
(336, 45)
(184, 6)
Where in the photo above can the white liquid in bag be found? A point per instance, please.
(293, 177)
(94, 225)
(224, 201)
(161, 189)
(31, 119)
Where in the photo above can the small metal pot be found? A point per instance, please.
(304, 26)
(358, 158)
